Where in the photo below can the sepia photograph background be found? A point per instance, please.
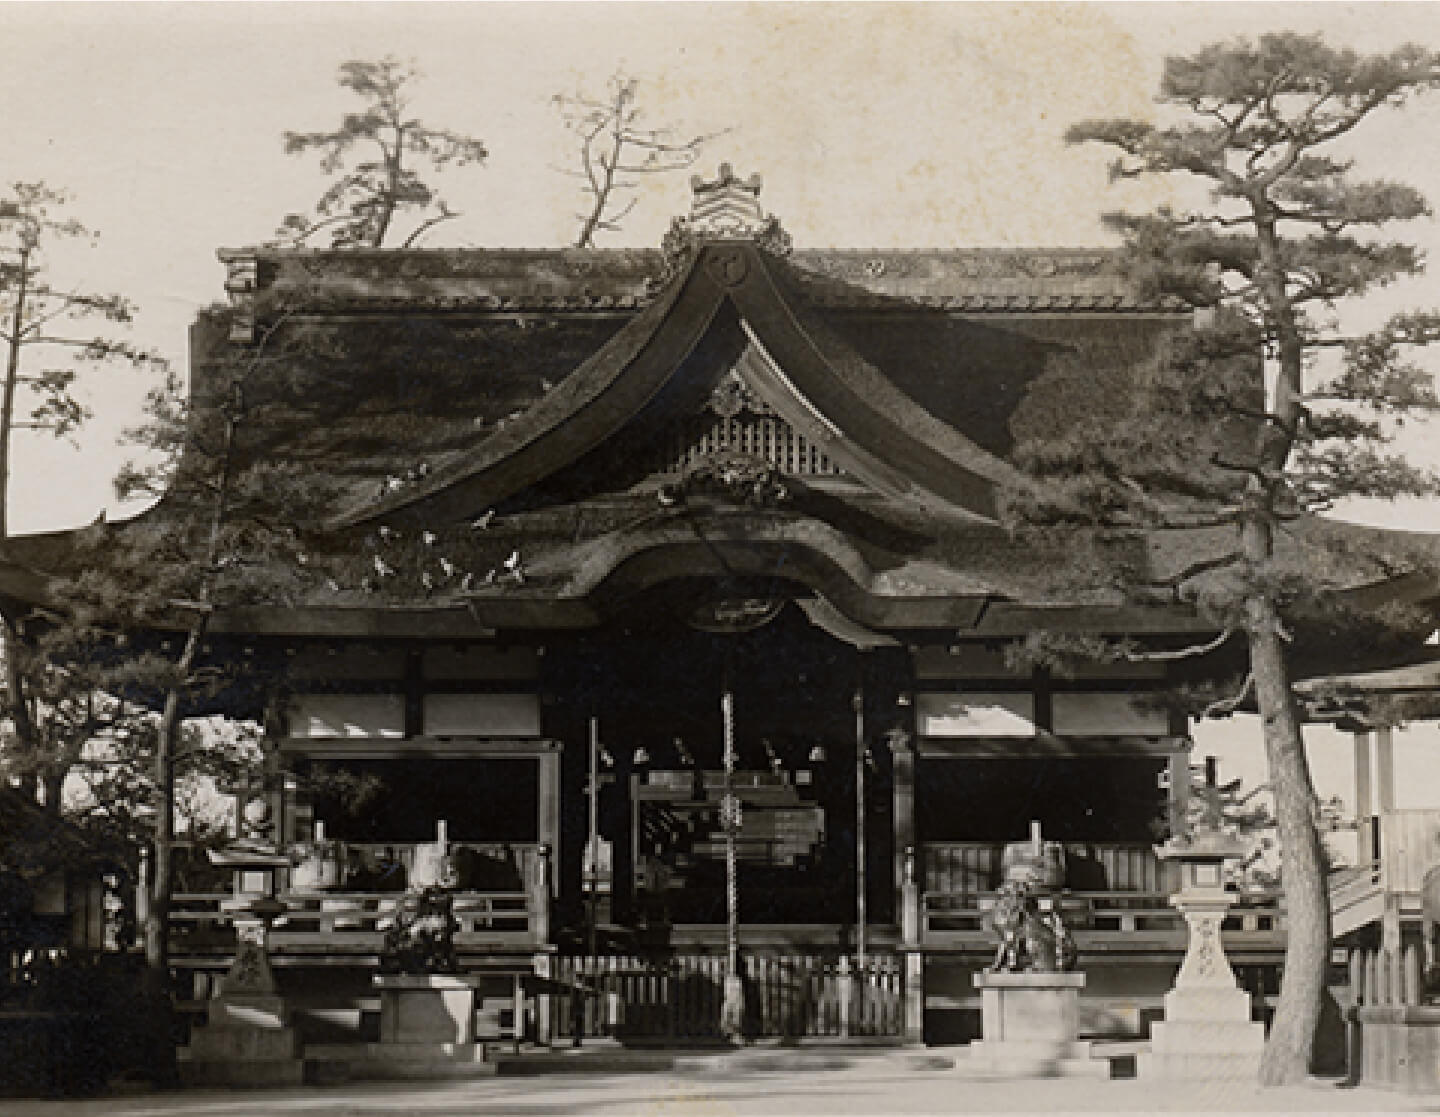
(873, 125)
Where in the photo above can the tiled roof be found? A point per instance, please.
(600, 280)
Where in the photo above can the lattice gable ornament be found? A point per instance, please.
(735, 420)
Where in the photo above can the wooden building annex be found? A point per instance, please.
(597, 508)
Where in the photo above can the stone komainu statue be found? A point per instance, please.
(1030, 939)
(421, 936)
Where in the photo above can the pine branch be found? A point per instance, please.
(1225, 706)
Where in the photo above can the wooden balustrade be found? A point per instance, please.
(1386, 977)
(972, 868)
(503, 901)
(343, 923)
(1096, 919)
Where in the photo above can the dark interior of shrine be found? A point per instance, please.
(654, 685)
(1075, 799)
(401, 801)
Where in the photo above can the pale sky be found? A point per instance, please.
(886, 125)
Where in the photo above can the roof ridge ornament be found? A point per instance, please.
(726, 208)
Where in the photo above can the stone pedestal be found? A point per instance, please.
(246, 1039)
(1207, 1032)
(1029, 1024)
(427, 1027)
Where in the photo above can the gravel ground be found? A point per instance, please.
(874, 1087)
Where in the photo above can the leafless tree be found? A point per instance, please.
(616, 149)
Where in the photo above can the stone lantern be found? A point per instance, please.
(247, 1038)
(1207, 1031)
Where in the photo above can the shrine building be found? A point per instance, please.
(600, 515)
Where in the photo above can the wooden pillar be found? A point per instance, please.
(544, 1001)
(1384, 803)
(1179, 772)
(547, 828)
(1384, 769)
(1364, 806)
(902, 752)
(862, 914)
(912, 953)
(540, 892)
(914, 994)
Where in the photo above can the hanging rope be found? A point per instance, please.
(732, 1009)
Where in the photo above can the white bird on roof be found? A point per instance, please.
(515, 567)
(447, 566)
(383, 568)
(480, 523)
(429, 538)
(467, 582)
(388, 533)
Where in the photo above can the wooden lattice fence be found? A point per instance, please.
(677, 997)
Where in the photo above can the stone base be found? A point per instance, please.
(1019, 1059)
(1207, 1033)
(427, 1008)
(245, 1041)
(1029, 1023)
(396, 1062)
(257, 1073)
(1400, 1047)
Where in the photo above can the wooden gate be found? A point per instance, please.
(677, 997)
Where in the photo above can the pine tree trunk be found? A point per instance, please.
(155, 928)
(1302, 868)
(24, 744)
(156, 925)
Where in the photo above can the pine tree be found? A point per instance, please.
(47, 342)
(228, 532)
(373, 186)
(1282, 233)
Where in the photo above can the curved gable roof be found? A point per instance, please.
(814, 379)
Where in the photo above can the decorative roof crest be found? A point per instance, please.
(728, 207)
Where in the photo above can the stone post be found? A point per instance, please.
(845, 987)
